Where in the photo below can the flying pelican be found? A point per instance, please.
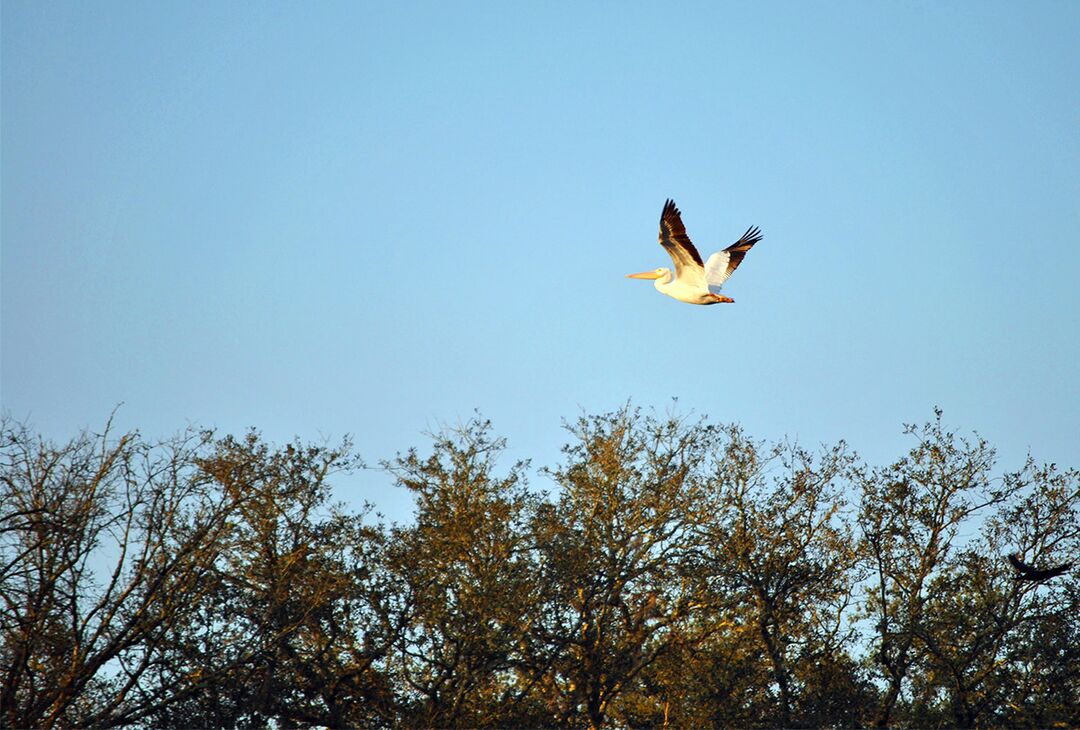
(695, 282)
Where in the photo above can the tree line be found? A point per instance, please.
(673, 573)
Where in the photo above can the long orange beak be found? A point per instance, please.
(644, 275)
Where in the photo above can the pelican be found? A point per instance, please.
(695, 282)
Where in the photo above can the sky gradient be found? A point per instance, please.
(375, 218)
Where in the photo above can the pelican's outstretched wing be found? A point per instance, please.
(722, 263)
(673, 238)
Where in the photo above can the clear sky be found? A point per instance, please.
(373, 218)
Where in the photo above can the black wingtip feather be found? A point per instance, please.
(752, 236)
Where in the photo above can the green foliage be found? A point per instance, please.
(678, 574)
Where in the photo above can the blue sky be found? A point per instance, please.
(374, 218)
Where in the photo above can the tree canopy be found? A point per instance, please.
(672, 572)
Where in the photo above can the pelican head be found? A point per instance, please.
(661, 273)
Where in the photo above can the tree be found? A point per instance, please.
(982, 626)
(618, 590)
(947, 614)
(106, 544)
(910, 513)
(300, 613)
(467, 567)
(780, 551)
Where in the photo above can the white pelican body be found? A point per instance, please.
(695, 282)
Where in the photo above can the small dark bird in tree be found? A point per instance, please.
(1029, 572)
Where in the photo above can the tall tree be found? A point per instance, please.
(982, 626)
(301, 613)
(910, 515)
(780, 549)
(619, 590)
(466, 565)
(106, 545)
